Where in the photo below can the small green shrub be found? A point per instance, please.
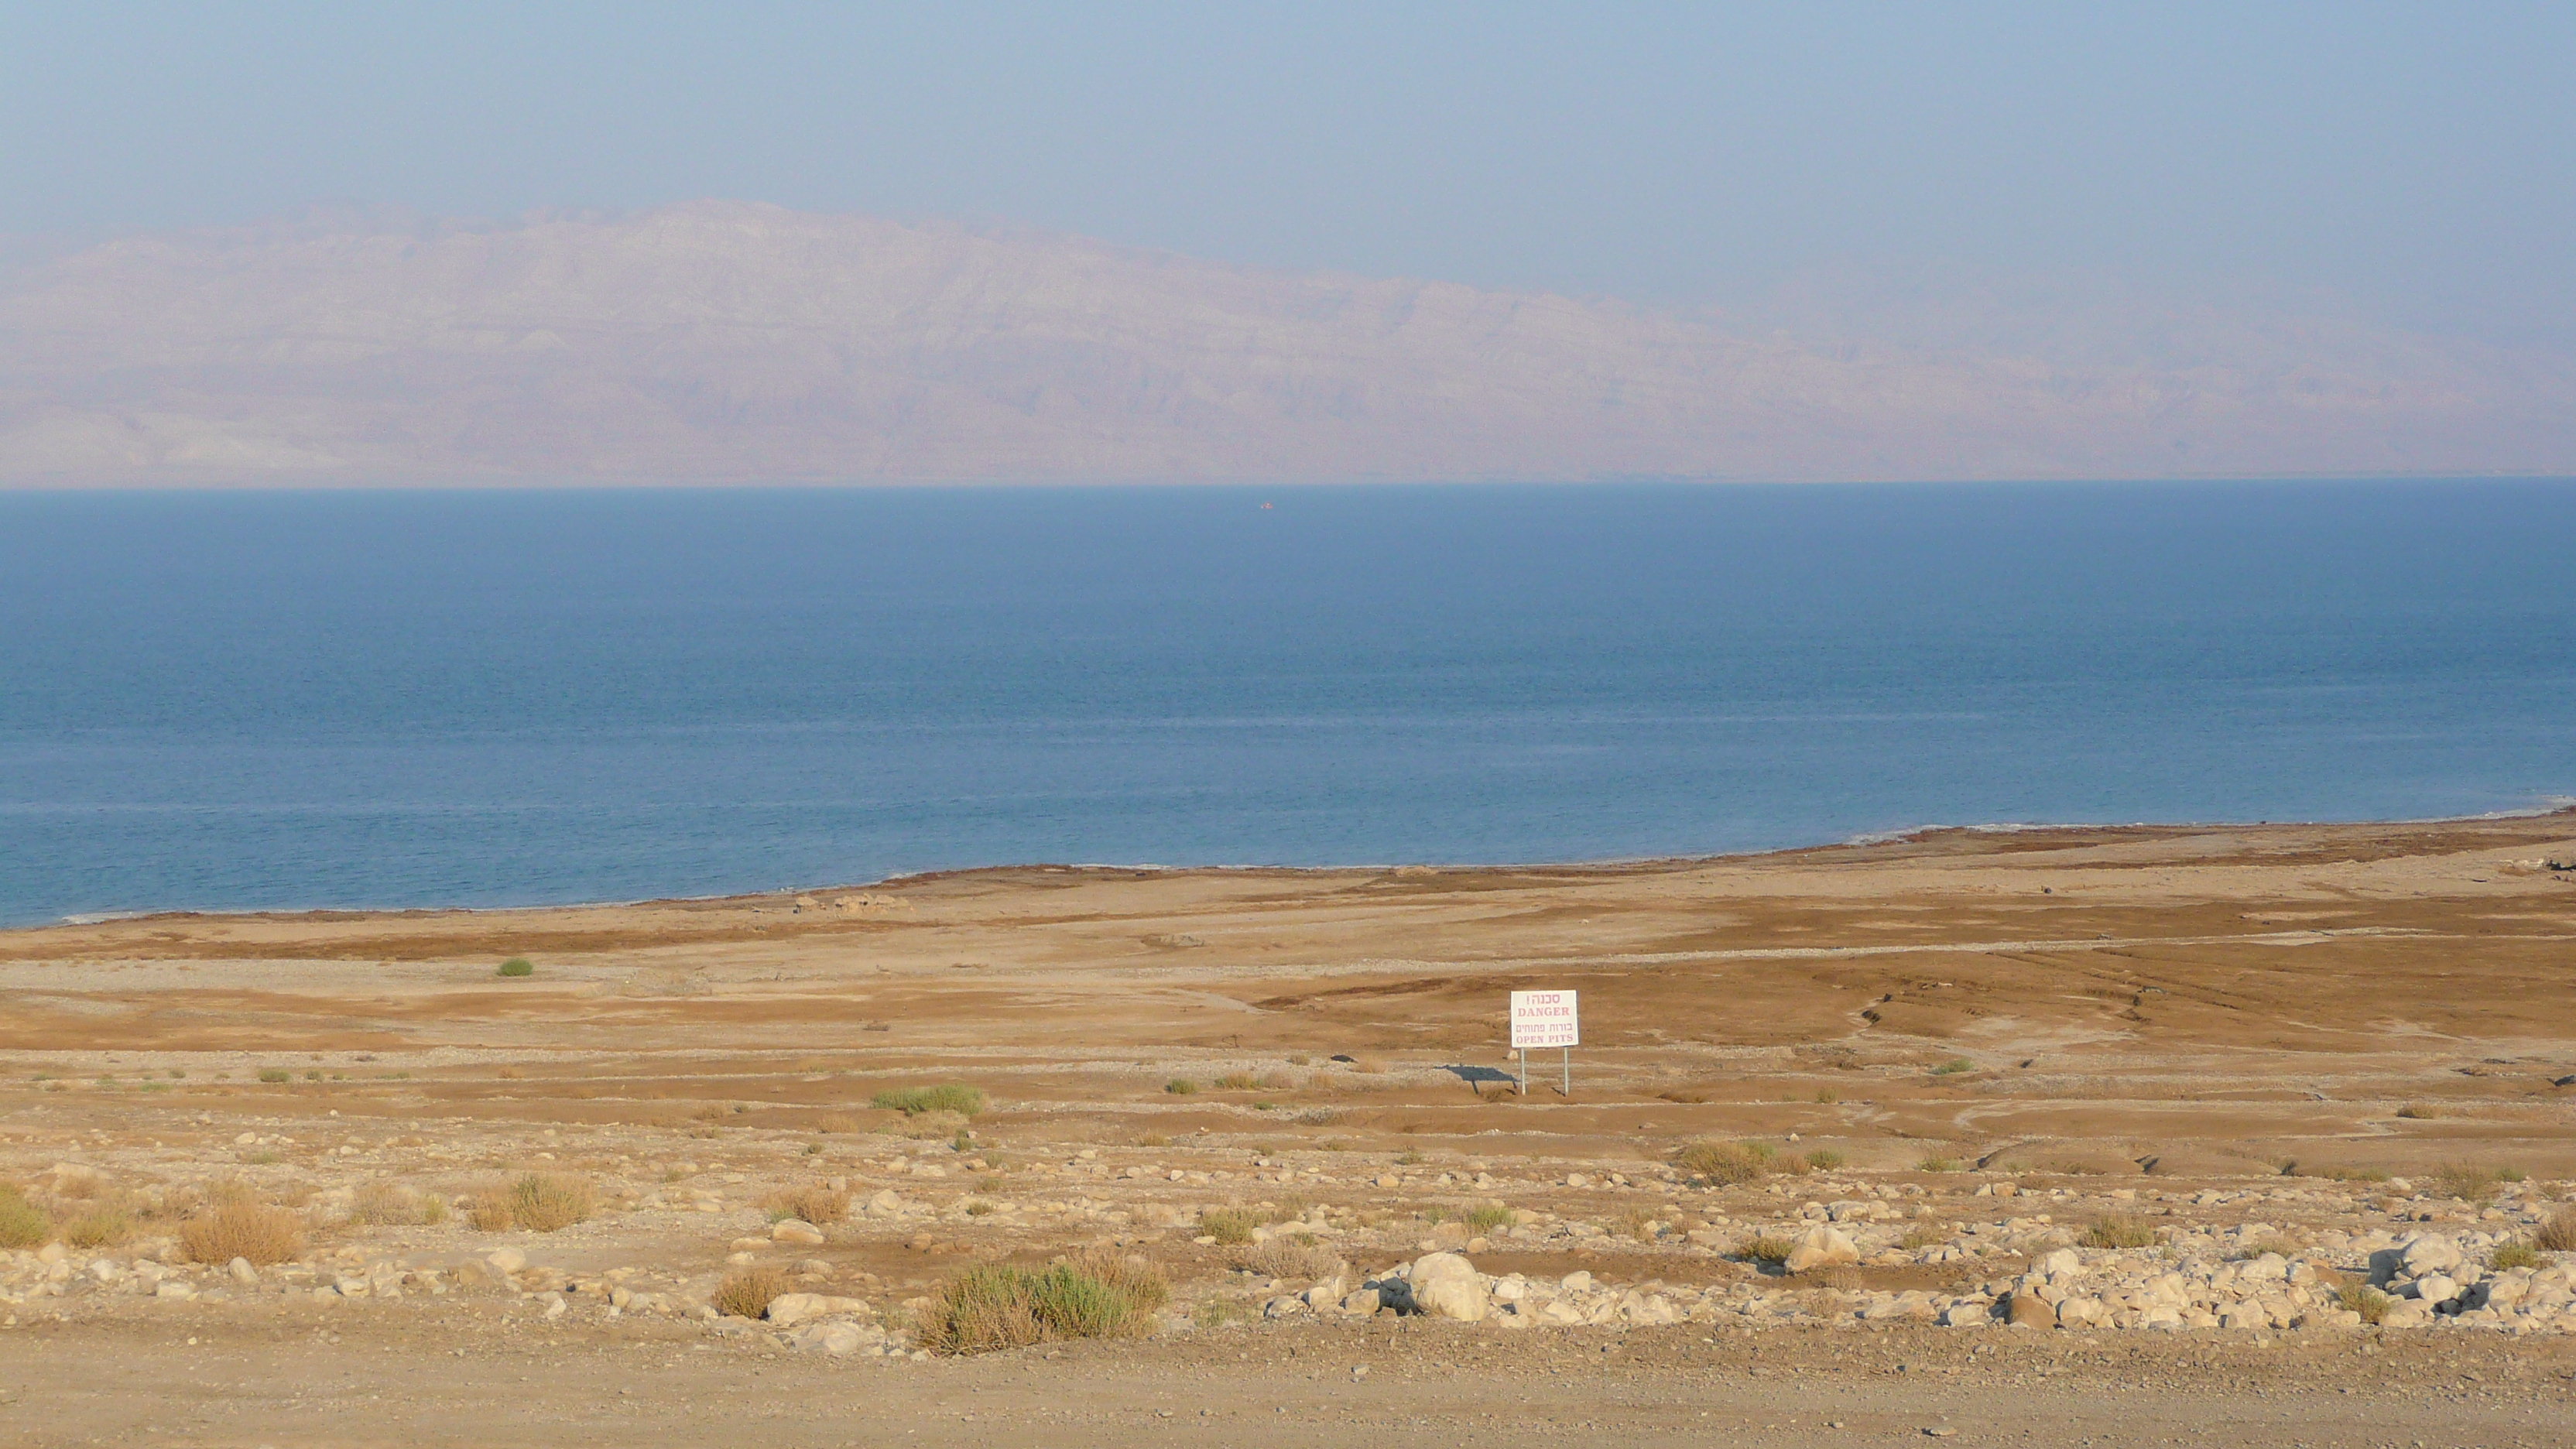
(1180, 1086)
(275, 1075)
(1486, 1217)
(1229, 1225)
(996, 1305)
(2365, 1300)
(22, 1223)
(1825, 1159)
(2469, 1184)
(2416, 1112)
(1938, 1164)
(1238, 1082)
(516, 966)
(1953, 1067)
(2509, 1256)
(955, 1097)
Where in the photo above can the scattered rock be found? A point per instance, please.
(1822, 1247)
(793, 1308)
(1446, 1285)
(831, 1338)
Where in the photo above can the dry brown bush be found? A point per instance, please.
(2119, 1230)
(1765, 1248)
(2469, 1184)
(813, 1203)
(79, 1186)
(1725, 1163)
(1284, 1258)
(540, 1202)
(389, 1204)
(2558, 1235)
(1132, 1274)
(100, 1225)
(242, 1230)
(545, 1202)
(746, 1294)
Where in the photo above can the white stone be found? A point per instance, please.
(1446, 1285)
(792, 1308)
(831, 1338)
(793, 1230)
(1822, 1247)
(2062, 1263)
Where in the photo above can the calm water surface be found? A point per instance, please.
(241, 700)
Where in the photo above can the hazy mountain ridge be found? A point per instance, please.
(724, 341)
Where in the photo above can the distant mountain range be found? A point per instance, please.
(720, 341)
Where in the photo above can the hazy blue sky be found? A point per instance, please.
(2419, 157)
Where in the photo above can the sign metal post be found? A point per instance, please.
(1546, 1019)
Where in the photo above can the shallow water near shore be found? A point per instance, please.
(253, 700)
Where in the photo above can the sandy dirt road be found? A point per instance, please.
(1439, 1382)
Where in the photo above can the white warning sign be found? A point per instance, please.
(1544, 1019)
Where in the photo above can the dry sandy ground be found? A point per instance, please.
(2151, 1020)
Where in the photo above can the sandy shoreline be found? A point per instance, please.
(2552, 806)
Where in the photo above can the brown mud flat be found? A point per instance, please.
(2149, 1011)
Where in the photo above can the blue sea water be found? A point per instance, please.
(294, 699)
